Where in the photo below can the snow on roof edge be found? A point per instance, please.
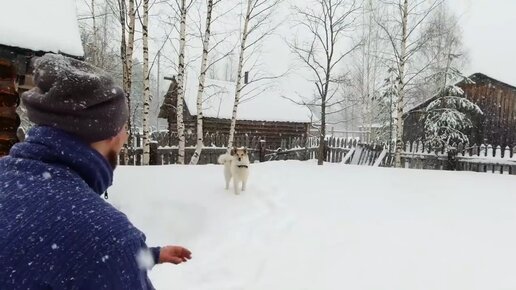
(41, 26)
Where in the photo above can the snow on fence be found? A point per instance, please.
(215, 145)
(169, 155)
(483, 158)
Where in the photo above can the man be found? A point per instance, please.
(56, 232)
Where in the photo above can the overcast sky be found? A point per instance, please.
(490, 36)
(489, 30)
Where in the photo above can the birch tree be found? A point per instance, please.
(403, 32)
(146, 86)
(96, 33)
(328, 23)
(257, 15)
(445, 42)
(127, 19)
(183, 7)
(202, 77)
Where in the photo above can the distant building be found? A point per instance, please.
(263, 114)
(497, 126)
(30, 28)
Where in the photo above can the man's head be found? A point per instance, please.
(80, 99)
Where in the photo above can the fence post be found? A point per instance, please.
(326, 150)
(306, 152)
(122, 156)
(154, 155)
(262, 150)
(452, 161)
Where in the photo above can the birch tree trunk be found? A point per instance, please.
(95, 39)
(123, 41)
(123, 53)
(238, 88)
(408, 40)
(126, 54)
(129, 66)
(146, 88)
(401, 86)
(180, 85)
(202, 78)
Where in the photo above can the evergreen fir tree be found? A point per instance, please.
(448, 117)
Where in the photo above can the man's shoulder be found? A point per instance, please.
(102, 222)
(28, 171)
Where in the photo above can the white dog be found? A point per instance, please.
(236, 166)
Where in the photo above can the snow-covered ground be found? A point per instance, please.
(300, 226)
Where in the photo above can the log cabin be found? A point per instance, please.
(263, 114)
(25, 33)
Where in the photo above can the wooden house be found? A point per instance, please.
(265, 115)
(496, 99)
(30, 28)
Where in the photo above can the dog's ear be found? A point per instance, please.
(245, 150)
(233, 151)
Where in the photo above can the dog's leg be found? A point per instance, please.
(235, 186)
(227, 175)
(227, 181)
(244, 183)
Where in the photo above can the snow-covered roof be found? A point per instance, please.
(40, 25)
(258, 103)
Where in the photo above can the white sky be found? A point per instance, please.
(489, 31)
(489, 36)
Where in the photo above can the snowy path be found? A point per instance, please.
(366, 228)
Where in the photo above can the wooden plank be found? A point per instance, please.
(356, 156)
(348, 156)
(379, 160)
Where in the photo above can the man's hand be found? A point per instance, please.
(174, 254)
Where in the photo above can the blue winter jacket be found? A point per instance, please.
(56, 231)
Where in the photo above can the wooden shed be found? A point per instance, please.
(497, 126)
(27, 31)
(265, 115)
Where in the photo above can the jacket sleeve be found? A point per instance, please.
(120, 268)
(155, 254)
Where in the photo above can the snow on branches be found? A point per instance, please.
(448, 117)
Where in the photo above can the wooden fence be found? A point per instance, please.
(483, 158)
(210, 140)
(169, 155)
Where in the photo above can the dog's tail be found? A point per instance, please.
(224, 158)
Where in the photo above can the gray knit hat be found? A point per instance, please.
(75, 97)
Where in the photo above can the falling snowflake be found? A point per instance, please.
(54, 247)
(46, 175)
(145, 259)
